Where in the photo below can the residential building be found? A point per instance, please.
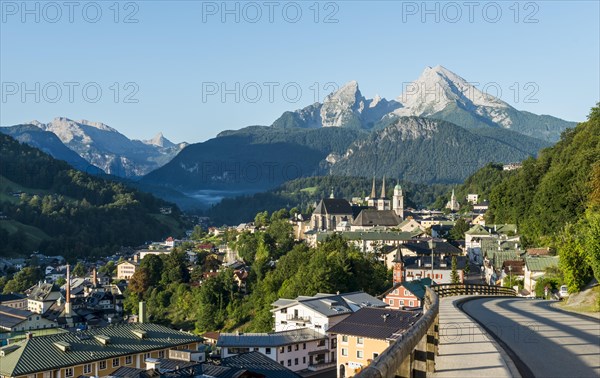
(20, 320)
(535, 268)
(297, 349)
(321, 311)
(472, 198)
(370, 241)
(126, 269)
(406, 294)
(42, 297)
(365, 334)
(420, 267)
(13, 300)
(97, 352)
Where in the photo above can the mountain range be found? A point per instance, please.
(96, 146)
(440, 130)
(439, 94)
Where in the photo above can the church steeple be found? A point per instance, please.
(332, 195)
(373, 190)
(383, 189)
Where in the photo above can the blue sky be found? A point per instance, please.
(194, 68)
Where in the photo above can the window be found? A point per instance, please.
(69, 372)
(127, 360)
(391, 302)
(411, 303)
(359, 354)
(281, 362)
(87, 368)
(289, 348)
(267, 350)
(281, 349)
(284, 311)
(102, 365)
(401, 303)
(304, 359)
(256, 349)
(295, 361)
(161, 354)
(405, 292)
(297, 346)
(115, 362)
(344, 352)
(345, 338)
(334, 342)
(321, 343)
(360, 340)
(375, 355)
(304, 346)
(289, 362)
(146, 355)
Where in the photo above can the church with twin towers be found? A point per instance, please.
(338, 214)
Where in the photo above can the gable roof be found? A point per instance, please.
(373, 217)
(477, 230)
(376, 323)
(41, 353)
(332, 304)
(45, 292)
(333, 206)
(540, 263)
(416, 287)
(440, 247)
(271, 339)
(258, 363)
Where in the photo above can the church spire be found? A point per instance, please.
(373, 189)
(332, 195)
(383, 189)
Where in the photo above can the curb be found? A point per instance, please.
(515, 365)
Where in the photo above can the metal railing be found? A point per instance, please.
(413, 354)
(447, 290)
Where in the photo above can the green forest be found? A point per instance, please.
(279, 267)
(48, 206)
(554, 200)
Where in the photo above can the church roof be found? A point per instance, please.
(372, 217)
(333, 206)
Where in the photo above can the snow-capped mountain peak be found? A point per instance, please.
(437, 88)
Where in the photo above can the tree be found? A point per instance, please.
(261, 219)
(154, 268)
(458, 230)
(573, 261)
(140, 281)
(454, 276)
(109, 269)
(79, 270)
(23, 280)
(175, 268)
(198, 233)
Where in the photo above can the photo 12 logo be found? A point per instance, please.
(516, 92)
(69, 92)
(452, 12)
(53, 12)
(252, 12)
(268, 91)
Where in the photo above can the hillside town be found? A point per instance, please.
(76, 309)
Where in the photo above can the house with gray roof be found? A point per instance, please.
(296, 349)
(21, 320)
(97, 352)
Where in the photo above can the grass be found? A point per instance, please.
(33, 235)
(310, 190)
(587, 301)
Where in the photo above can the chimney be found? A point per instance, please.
(152, 364)
(142, 312)
(94, 277)
(68, 292)
(29, 336)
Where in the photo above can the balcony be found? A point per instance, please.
(321, 366)
(297, 318)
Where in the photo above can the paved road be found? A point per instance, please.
(549, 341)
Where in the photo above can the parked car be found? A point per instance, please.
(563, 292)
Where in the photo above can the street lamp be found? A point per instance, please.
(510, 275)
(431, 247)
